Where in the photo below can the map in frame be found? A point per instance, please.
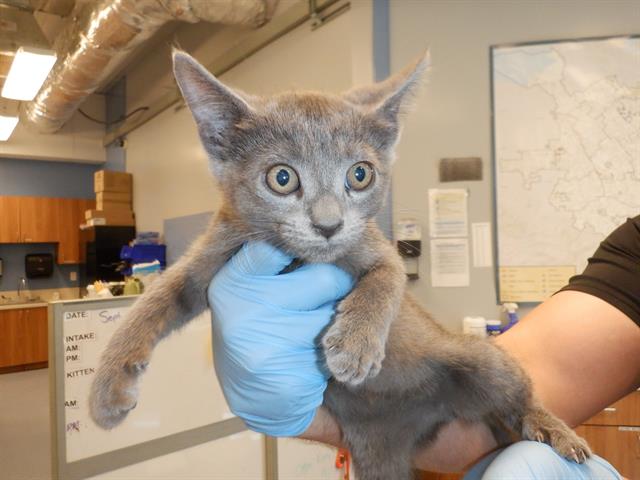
(566, 126)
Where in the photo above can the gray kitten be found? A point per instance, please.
(308, 172)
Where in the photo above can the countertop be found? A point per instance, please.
(13, 306)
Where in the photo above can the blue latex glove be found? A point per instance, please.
(265, 329)
(538, 461)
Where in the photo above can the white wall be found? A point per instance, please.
(452, 115)
(170, 168)
(80, 140)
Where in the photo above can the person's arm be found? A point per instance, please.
(581, 353)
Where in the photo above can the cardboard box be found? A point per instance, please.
(113, 209)
(109, 181)
(106, 205)
(120, 218)
(114, 197)
(97, 222)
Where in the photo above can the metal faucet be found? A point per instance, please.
(22, 285)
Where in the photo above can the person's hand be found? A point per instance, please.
(538, 461)
(265, 336)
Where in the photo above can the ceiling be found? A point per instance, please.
(29, 22)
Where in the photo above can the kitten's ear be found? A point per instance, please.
(216, 108)
(389, 98)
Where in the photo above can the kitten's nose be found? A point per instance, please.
(328, 231)
(326, 215)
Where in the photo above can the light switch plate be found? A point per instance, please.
(73, 276)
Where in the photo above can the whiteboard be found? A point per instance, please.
(180, 402)
(237, 457)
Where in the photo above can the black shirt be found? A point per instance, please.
(613, 272)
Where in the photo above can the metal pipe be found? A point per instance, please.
(98, 39)
(257, 40)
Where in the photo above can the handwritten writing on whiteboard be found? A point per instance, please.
(73, 426)
(106, 316)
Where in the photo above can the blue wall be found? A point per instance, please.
(40, 179)
(46, 179)
(13, 267)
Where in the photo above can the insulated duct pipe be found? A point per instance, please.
(98, 38)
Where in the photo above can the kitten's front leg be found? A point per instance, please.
(354, 345)
(174, 298)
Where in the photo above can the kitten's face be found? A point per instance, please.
(305, 171)
(309, 175)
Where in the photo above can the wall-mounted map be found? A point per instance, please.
(567, 156)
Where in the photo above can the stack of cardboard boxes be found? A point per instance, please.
(113, 199)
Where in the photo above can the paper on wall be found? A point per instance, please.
(450, 262)
(482, 246)
(408, 229)
(448, 215)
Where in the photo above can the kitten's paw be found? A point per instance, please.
(561, 438)
(114, 392)
(352, 356)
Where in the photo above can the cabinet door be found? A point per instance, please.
(38, 218)
(70, 215)
(623, 412)
(23, 336)
(9, 220)
(68, 226)
(36, 337)
(11, 337)
(620, 446)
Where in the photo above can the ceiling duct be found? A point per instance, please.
(98, 39)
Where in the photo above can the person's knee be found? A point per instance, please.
(522, 460)
(537, 461)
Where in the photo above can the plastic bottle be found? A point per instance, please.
(494, 328)
(511, 309)
(475, 326)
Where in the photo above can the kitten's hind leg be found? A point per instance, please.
(379, 456)
(541, 426)
(384, 466)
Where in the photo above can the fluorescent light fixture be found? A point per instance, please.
(28, 72)
(7, 124)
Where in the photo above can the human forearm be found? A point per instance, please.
(565, 346)
(580, 352)
(324, 429)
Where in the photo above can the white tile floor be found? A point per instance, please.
(24, 426)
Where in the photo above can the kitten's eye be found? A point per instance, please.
(360, 176)
(283, 179)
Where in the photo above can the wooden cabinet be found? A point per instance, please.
(38, 219)
(620, 446)
(44, 220)
(23, 336)
(614, 434)
(9, 220)
(70, 214)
